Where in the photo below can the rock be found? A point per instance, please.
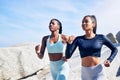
(19, 62)
(118, 37)
(111, 37)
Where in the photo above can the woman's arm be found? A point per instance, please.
(110, 45)
(67, 39)
(37, 50)
(71, 46)
(40, 50)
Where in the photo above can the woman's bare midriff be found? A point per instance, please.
(90, 61)
(55, 56)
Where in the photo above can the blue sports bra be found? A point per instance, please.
(58, 47)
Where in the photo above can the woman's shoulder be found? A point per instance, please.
(80, 37)
(100, 35)
(64, 37)
(45, 37)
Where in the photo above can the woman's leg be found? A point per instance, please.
(84, 74)
(93, 73)
(59, 70)
(53, 70)
(64, 71)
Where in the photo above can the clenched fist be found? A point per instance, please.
(37, 49)
(70, 39)
(107, 63)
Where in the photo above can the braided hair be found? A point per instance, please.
(59, 23)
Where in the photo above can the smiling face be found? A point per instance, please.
(88, 24)
(54, 26)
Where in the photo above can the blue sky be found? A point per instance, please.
(26, 21)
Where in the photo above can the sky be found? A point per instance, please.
(26, 21)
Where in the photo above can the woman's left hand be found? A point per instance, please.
(107, 63)
(64, 58)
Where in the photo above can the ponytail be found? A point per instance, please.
(95, 21)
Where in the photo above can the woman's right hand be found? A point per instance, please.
(70, 39)
(37, 49)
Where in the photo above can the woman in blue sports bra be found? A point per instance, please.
(90, 46)
(55, 44)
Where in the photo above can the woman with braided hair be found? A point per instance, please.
(56, 45)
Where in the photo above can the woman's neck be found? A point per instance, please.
(89, 34)
(54, 34)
